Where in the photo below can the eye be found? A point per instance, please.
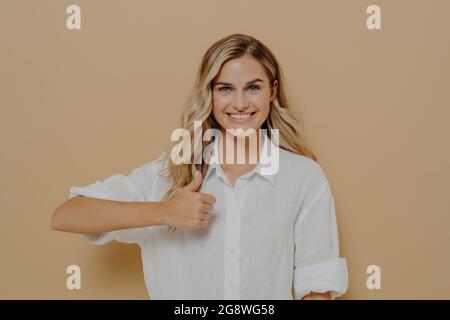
(221, 89)
(254, 88)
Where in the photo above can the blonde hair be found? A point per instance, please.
(199, 105)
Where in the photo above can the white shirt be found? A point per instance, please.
(267, 233)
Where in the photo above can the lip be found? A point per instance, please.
(252, 116)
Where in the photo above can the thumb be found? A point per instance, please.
(195, 183)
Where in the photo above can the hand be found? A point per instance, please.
(189, 208)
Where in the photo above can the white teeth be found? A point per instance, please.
(240, 116)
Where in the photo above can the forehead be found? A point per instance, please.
(241, 70)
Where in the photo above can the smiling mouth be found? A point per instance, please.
(241, 116)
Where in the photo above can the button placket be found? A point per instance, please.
(232, 243)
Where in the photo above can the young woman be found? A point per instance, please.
(241, 232)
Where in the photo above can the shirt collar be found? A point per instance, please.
(266, 159)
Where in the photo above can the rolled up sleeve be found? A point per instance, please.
(317, 265)
(117, 187)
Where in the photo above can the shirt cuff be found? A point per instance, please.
(100, 238)
(328, 275)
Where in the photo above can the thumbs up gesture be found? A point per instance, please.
(189, 208)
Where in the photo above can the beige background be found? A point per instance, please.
(77, 106)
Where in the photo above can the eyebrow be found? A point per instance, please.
(250, 82)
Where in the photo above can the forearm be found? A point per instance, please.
(90, 215)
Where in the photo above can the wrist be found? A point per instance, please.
(153, 213)
(161, 209)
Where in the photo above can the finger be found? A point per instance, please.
(195, 183)
(208, 198)
(208, 208)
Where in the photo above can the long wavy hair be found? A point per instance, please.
(199, 106)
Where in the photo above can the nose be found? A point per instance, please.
(240, 102)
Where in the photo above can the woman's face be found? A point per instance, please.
(242, 94)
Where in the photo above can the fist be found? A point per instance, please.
(190, 208)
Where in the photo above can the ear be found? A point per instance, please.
(274, 90)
